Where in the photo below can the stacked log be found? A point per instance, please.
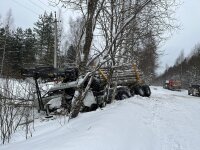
(123, 75)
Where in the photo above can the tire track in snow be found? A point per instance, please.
(168, 136)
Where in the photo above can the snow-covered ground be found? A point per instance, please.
(168, 120)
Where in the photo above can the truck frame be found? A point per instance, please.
(127, 79)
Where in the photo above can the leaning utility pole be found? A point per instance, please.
(55, 42)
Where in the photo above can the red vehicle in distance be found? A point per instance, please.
(172, 85)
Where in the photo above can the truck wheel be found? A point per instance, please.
(147, 90)
(132, 91)
(139, 90)
(93, 107)
(102, 105)
(121, 95)
(85, 109)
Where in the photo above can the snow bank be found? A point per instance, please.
(168, 120)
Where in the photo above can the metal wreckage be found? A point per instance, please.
(126, 82)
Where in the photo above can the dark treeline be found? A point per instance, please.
(185, 69)
(17, 48)
(21, 48)
(26, 48)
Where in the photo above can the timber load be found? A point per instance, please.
(124, 75)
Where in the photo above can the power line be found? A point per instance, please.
(45, 5)
(62, 12)
(24, 6)
(36, 5)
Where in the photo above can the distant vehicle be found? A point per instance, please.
(194, 90)
(172, 85)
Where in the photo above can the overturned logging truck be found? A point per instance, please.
(125, 81)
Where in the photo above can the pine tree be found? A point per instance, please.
(29, 48)
(148, 58)
(15, 55)
(71, 55)
(45, 39)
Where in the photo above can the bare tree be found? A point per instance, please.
(1, 21)
(117, 20)
(75, 37)
(16, 108)
(9, 20)
(8, 24)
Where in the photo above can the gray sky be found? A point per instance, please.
(187, 37)
(26, 12)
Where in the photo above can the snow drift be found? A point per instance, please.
(168, 120)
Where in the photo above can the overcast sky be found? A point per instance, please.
(26, 12)
(187, 37)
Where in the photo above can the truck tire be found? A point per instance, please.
(102, 105)
(139, 90)
(121, 95)
(132, 91)
(93, 107)
(147, 90)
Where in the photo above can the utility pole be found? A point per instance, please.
(55, 42)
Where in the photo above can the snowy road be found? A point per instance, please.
(168, 120)
(175, 119)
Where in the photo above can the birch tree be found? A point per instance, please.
(117, 20)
